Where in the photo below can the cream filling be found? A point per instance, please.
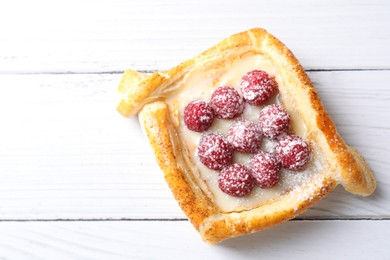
(199, 84)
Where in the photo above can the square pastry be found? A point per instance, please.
(241, 136)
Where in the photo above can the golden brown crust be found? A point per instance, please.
(158, 126)
(230, 225)
(345, 165)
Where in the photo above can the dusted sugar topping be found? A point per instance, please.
(274, 120)
(293, 152)
(245, 136)
(227, 102)
(257, 86)
(265, 169)
(214, 151)
(236, 180)
(200, 84)
(198, 116)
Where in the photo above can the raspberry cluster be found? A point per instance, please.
(216, 151)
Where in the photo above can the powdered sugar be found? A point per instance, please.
(274, 120)
(265, 169)
(198, 116)
(245, 136)
(257, 86)
(214, 151)
(227, 102)
(293, 152)
(236, 180)
(199, 86)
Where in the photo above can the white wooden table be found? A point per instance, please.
(78, 181)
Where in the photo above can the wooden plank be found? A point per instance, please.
(66, 153)
(162, 240)
(106, 35)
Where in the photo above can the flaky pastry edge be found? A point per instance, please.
(145, 95)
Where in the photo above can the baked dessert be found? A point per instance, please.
(242, 137)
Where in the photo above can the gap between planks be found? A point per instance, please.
(153, 71)
(185, 220)
(78, 162)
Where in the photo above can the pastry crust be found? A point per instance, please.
(147, 96)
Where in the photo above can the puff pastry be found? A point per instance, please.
(159, 100)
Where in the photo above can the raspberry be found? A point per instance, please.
(274, 120)
(257, 86)
(293, 152)
(214, 151)
(227, 102)
(236, 180)
(198, 116)
(265, 169)
(245, 136)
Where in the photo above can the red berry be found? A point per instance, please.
(257, 86)
(236, 180)
(274, 120)
(293, 152)
(227, 102)
(214, 151)
(265, 169)
(198, 116)
(245, 136)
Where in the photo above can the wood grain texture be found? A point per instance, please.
(111, 35)
(164, 240)
(65, 153)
